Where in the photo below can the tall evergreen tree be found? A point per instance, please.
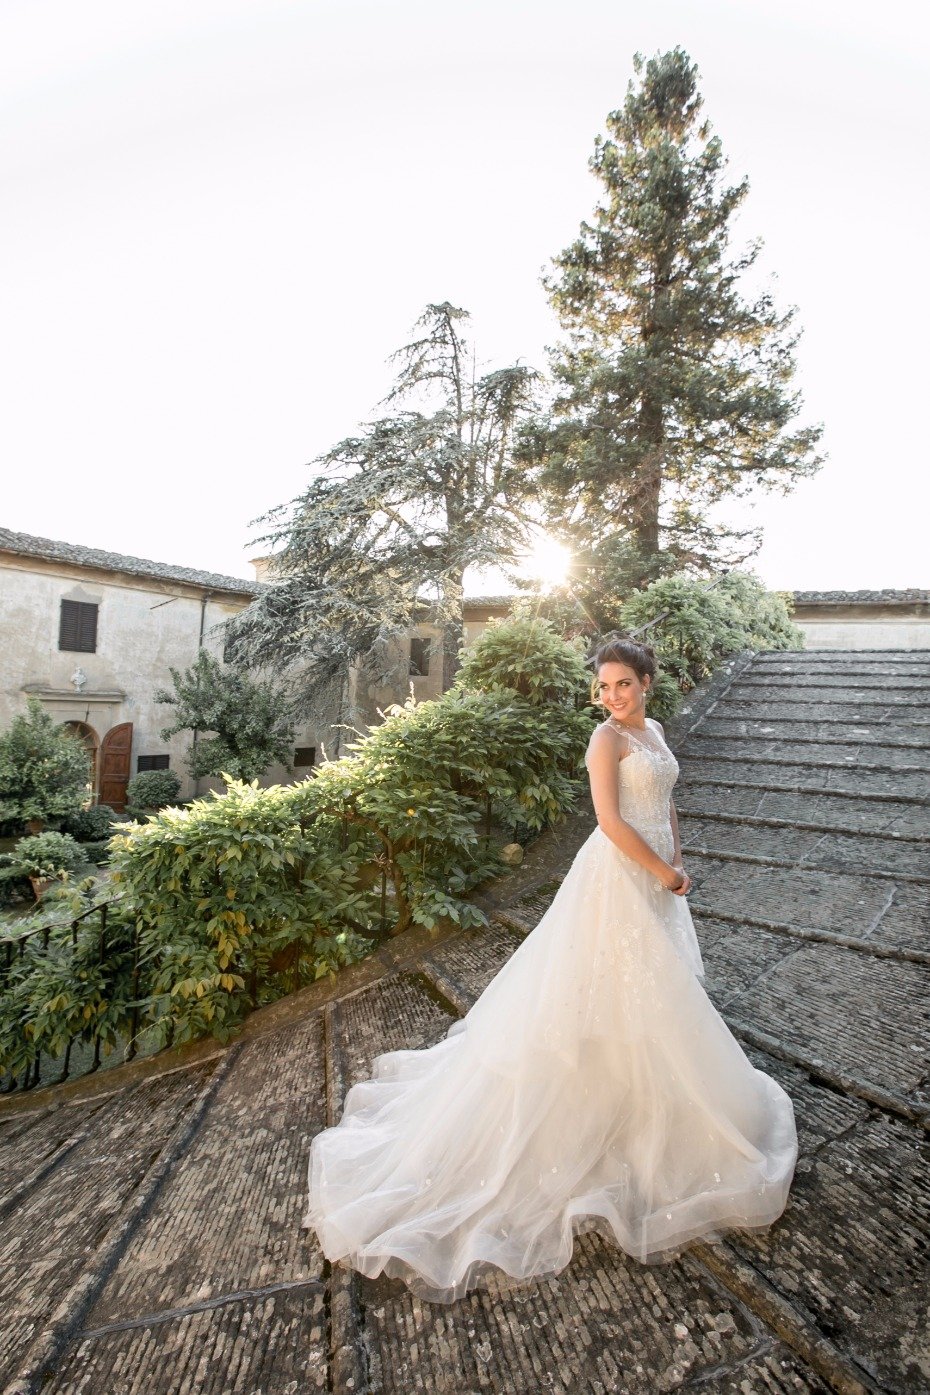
(673, 390)
(393, 517)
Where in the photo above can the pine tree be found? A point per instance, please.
(384, 533)
(673, 390)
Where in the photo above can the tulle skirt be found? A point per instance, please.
(593, 1085)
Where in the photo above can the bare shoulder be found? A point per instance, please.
(605, 740)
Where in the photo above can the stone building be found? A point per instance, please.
(93, 635)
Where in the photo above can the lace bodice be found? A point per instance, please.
(648, 772)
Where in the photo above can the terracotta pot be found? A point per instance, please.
(40, 886)
(34, 826)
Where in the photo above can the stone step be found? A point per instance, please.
(782, 843)
(864, 688)
(891, 717)
(766, 657)
(62, 1219)
(846, 757)
(246, 1171)
(852, 779)
(840, 812)
(857, 904)
(859, 737)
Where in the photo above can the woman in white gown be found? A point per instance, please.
(593, 1085)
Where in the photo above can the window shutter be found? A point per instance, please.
(77, 627)
(151, 763)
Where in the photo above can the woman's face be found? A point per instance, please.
(621, 690)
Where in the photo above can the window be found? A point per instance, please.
(304, 755)
(419, 657)
(77, 627)
(151, 763)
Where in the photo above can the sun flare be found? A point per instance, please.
(548, 561)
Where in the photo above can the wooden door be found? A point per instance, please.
(115, 758)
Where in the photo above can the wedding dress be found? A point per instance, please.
(592, 1085)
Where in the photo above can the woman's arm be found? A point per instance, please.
(604, 774)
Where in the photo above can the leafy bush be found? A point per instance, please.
(152, 790)
(91, 825)
(702, 624)
(527, 655)
(235, 886)
(59, 987)
(42, 855)
(44, 769)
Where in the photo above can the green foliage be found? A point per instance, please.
(43, 855)
(674, 390)
(526, 654)
(701, 624)
(91, 825)
(44, 770)
(251, 719)
(151, 790)
(59, 986)
(235, 885)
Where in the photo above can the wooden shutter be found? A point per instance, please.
(115, 753)
(77, 627)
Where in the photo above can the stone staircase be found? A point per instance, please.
(151, 1234)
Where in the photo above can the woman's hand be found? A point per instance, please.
(680, 883)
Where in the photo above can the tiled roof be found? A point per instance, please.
(911, 596)
(25, 545)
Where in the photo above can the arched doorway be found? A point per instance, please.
(91, 743)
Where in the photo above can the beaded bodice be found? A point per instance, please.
(648, 772)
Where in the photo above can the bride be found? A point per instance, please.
(592, 1085)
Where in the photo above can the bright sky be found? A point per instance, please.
(219, 217)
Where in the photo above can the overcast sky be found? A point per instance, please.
(218, 219)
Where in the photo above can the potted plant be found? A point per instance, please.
(42, 858)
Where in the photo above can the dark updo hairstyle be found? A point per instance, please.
(641, 658)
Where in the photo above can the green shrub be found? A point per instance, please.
(44, 769)
(59, 986)
(702, 624)
(233, 886)
(152, 790)
(527, 655)
(92, 825)
(42, 855)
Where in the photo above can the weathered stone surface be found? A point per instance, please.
(864, 906)
(267, 1345)
(773, 775)
(913, 736)
(844, 756)
(45, 1243)
(828, 686)
(808, 711)
(476, 956)
(242, 1185)
(394, 1014)
(785, 843)
(604, 1324)
(843, 812)
(850, 1251)
(859, 1015)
